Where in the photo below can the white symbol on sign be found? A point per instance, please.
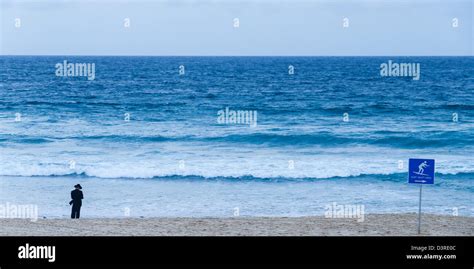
(421, 169)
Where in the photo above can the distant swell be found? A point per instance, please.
(325, 139)
(390, 176)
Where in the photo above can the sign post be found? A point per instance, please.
(419, 210)
(421, 171)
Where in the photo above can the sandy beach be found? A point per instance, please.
(373, 225)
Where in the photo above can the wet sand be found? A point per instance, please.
(373, 225)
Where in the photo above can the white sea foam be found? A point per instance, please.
(211, 163)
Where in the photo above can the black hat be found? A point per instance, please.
(78, 186)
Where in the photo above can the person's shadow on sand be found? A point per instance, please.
(76, 202)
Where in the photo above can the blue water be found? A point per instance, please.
(73, 130)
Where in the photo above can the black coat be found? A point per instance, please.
(77, 196)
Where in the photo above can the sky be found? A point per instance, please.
(266, 27)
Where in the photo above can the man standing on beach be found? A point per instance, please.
(76, 202)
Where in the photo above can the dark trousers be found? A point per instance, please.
(76, 211)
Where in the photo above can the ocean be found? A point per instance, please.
(144, 136)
